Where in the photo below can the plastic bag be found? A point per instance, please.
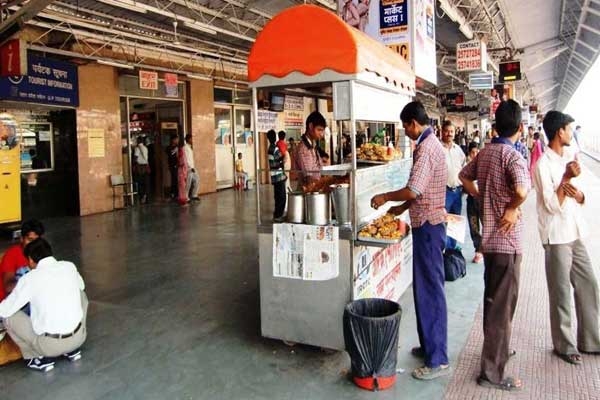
(455, 266)
(371, 339)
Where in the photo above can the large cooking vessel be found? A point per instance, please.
(316, 206)
(295, 206)
(340, 195)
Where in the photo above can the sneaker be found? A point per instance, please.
(478, 259)
(43, 364)
(73, 356)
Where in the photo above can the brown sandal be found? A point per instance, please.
(507, 384)
(574, 358)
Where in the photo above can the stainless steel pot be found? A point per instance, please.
(340, 196)
(295, 205)
(316, 206)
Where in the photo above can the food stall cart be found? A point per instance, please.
(309, 273)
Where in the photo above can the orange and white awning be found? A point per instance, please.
(307, 44)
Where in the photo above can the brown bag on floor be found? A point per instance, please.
(9, 351)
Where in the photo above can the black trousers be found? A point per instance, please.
(280, 199)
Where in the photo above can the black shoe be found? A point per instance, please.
(43, 364)
(279, 219)
(73, 356)
(195, 198)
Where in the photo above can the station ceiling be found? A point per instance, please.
(556, 40)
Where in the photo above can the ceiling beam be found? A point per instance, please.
(17, 21)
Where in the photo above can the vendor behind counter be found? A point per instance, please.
(308, 156)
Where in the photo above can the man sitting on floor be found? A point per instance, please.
(57, 325)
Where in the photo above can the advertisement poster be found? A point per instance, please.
(450, 100)
(405, 26)
(47, 81)
(293, 120)
(305, 252)
(423, 52)
(266, 120)
(171, 88)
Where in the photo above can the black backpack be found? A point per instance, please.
(455, 265)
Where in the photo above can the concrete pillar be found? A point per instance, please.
(202, 123)
(98, 109)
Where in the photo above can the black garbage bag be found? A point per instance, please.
(371, 339)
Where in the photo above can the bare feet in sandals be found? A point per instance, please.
(574, 358)
(508, 384)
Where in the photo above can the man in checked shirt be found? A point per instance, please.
(425, 196)
(502, 185)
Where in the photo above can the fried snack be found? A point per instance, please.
(384, 227)
(322, 184)
(376, 152)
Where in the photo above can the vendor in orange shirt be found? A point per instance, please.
(14, 264)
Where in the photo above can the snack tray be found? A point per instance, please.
(372, 242)
(361, 161)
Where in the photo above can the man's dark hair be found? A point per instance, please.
(414, 110)
(578, 127)
(473, 145)
(446, 123)
(494, 126)
(536, 135)
(32, 225)
(317, 119)
(140, 140)
(173, 136)
(272, 136)
(38, 250)
(508, 118)
(281, 135)
(554, 121)
(188, 137)
(530, 127)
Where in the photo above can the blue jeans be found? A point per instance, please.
(453, 206)
(428, 292)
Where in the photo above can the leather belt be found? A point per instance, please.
(455, 188)
(63, 335)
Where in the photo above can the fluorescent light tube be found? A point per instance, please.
(115, 64)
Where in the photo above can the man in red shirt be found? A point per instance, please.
(14, 260)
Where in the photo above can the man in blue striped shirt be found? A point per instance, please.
(278, 176)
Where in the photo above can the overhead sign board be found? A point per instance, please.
(481, 80)
(509, 71)
(48, 81)
(148, 80)
(471, 56)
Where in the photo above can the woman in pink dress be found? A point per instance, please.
(182, 196)
(536, 152)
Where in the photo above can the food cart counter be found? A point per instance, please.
(308, 273)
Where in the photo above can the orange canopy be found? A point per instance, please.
(309, 39)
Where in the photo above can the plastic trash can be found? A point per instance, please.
(371, 339)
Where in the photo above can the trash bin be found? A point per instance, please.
(371, 339)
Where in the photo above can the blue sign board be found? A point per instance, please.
(48, 82)
(393, 16)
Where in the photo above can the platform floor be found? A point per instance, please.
(174, 314)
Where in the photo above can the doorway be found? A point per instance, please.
(233, 135)
(152, 121)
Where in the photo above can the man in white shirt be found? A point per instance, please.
(562, 227)
(455, 159)
(193, 180)
(141, 169)
(55, 292)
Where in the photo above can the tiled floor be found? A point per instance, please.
(174, 314)
(545, 376)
